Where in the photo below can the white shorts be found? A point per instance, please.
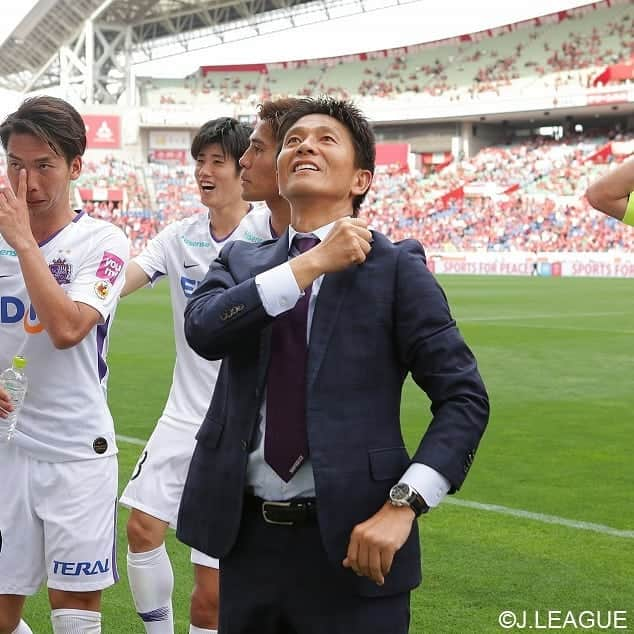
(57, 521)
(157, 482)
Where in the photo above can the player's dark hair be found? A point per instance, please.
(351, 117)
(53, 121)
(230, 134)
(273, 111)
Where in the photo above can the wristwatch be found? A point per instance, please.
(402, 494)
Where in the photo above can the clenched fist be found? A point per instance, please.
(348, 243)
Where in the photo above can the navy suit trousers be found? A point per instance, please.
(277, 580)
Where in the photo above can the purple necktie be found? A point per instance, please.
(286, 438)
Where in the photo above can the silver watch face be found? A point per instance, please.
(400, 493)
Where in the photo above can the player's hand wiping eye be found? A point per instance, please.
(15, 225)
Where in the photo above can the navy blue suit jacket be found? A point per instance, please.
(372, 325)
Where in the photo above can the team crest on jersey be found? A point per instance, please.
(61, 270)
(102, 289)
(110, 267)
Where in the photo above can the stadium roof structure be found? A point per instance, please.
(89, 45)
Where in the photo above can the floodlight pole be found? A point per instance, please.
(89, 44)
(130, 76)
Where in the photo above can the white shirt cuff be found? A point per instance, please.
(428, 482)
(278, 289)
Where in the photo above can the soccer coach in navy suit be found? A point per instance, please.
(300, 482)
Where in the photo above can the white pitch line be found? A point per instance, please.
(131, 440)
(604, 331)
(541, 517)
(538, 316)
(495, 508)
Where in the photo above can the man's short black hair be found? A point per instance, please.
(347, 114)
(273, 112)
(230, 134)
(50, 119)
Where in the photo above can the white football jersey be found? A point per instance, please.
(183, 252)
(65, 414)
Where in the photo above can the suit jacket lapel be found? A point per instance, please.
(333, 291)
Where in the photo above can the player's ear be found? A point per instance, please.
(75, 168)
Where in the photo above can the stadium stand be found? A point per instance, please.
(532, 199)
(524, 193)
(118, 191)
(559, 52)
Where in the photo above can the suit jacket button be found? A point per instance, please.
(245, 445)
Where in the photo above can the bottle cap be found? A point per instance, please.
(19, 362)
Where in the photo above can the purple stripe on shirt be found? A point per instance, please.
(156, 275)
(102, 333)
(78, 215)
(217, 240)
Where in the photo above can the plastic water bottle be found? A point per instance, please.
(14, 381)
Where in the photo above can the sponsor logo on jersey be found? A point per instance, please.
(188, 285)
(198, 244)
(9, 252)
(102, 289)
(252, 237)
(13, 310)
(110, 267)
(61, 270)
(76, 568)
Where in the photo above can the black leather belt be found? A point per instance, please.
(289, 513)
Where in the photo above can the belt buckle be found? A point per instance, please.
(269, 520)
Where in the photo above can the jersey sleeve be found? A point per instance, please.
(153, 259)
(101, 273)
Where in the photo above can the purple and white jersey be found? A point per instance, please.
(183, 252)
(65, 414)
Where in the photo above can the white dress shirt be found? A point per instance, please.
(279, 293)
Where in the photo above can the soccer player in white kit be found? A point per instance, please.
(182, 252)
(61, 273)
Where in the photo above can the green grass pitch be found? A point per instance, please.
(557, 356)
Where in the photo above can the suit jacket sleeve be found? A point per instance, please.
(441, 363)
(225, 313)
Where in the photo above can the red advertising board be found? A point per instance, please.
(103, 131)
(392, 153)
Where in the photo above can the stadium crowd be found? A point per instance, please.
(524, 196)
